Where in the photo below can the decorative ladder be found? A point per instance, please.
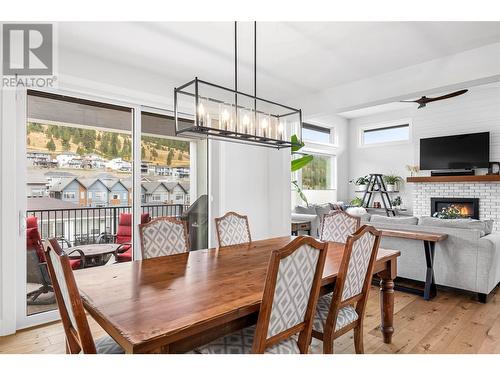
(377, 185)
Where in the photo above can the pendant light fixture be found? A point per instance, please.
(219, 112)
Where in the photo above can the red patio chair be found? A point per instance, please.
(37, 272)
(124, 236)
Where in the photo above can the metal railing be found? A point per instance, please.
(80, 226)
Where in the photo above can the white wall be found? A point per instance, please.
(476, 111)
(253, 181)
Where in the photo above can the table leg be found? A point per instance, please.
(430, 289)
(387, 300)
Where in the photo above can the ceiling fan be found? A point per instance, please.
(422, 102)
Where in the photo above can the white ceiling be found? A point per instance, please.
(294, 59)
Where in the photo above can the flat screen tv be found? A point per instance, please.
(464, 151)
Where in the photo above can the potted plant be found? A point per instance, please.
(396, 203)
(413, 169)
(391, 181)
(361, 183)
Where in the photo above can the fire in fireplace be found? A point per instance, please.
(451, 207)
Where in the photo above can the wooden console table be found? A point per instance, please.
(429, 240)
(298, 225)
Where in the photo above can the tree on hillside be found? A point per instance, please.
(28, 141)
(80, 151)
(65, 145)
(115, 145)
(180, 156)
(51, 146)
(126, 152)
(170, 156)
(143, 152)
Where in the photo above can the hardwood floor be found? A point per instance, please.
(451, 323)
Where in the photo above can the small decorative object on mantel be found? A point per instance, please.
(494, 168)
(361, 183)
(392, 182)
(413, 169)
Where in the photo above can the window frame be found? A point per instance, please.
(331, 132)
(384, 125)
(333, 177)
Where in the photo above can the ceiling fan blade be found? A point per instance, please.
(408, 101)
(447, 96)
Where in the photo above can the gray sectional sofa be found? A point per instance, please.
(468, 259)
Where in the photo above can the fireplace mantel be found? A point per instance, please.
(481, 178)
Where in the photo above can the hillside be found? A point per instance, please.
(57, 139)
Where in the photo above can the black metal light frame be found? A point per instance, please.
(235, 136)
(229, 135)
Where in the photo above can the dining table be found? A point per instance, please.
(173, 304)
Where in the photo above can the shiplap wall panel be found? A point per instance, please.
(476, 111)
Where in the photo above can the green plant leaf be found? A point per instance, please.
(296, 143)
(301, 162)
(300, 192)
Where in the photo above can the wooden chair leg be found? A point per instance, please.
(327, 344)
(358, 339)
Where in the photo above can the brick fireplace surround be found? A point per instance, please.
(487, 192)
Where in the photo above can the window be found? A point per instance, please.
(178, 197)
(82, 195)
(100, 195)
(156, 197)
(116, 196)
(385, 134)
(313, 133)
(318, 174)
(69, 195)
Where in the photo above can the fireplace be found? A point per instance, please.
(467, 207)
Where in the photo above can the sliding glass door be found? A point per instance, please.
(79, 185)
(174, 175)
(84, 160)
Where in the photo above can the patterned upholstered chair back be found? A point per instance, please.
(232, 229)
(69, 302)
(163, 236)
(291, 291)
(359, 258)
(338, 225)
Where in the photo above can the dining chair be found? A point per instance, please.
(76, 327)
(344, 309)
(232, 229)
(289, 300)
(163, 236)
(338, 225)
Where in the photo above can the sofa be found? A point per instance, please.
(315, 212)
(469, 259)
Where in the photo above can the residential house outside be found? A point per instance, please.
(69, 189)
(118, 192)
(177, 194)
(97, 192)
(64, 159)
(155, 192)
(36, 187)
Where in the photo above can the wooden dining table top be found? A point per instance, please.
(169, 297)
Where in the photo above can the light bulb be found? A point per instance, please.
(225, 115)
(263, 123)
(246, 120)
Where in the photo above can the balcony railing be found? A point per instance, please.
(80, 226)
